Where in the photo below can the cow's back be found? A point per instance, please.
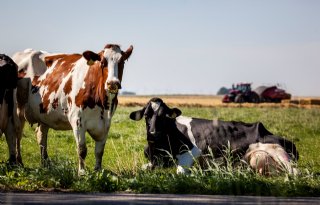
(218, 134)
(30, 62)
(51, 94)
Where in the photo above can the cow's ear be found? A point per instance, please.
(91, 57)
(127, 54)
(137, 115)
(174, 112)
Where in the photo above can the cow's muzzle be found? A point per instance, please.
(153, 136)
(113, 87)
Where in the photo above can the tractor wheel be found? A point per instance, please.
(254, 97)
(276, 100)
(239, 98)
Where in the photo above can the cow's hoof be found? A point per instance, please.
(183, 171)
(46, 163)
(12, 161)
(97, 168)
(81, 172)
(147, 166)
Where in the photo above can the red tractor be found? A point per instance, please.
(271, 94)
(241, 93)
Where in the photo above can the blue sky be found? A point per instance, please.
(180, 46)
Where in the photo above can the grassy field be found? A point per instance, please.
(123, 158)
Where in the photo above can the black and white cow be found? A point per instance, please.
(8, 103)
(170, 135)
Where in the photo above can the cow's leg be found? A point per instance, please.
(185, 160)
(147, 154)
(80, 138)
(19, 121)
(18, 141)
(11, 136)
(99, 150)
(42, 133)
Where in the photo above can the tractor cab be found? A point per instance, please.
(240, 93)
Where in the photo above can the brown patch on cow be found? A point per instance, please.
(110, 46)
(68, 86)
(50, 59)
(94, 92)
(35, 80)
(55, 103)
(53, 80)
(69, 100)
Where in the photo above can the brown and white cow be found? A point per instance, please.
(72, 91)
(8, 103)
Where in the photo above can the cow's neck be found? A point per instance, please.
(178, 141)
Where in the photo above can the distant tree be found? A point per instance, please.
(223, 91)
(127, 93)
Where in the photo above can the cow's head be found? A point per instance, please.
(158, 117)
(111, 58)
(156, 112)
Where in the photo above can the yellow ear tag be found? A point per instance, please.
(90, 62)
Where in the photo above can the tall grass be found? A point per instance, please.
(123, 159)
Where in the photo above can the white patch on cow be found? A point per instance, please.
(187, 122)
(79, 73)
(155, 106)
(28, 50)
(113, 56)
(31, 62)
(215, 123)
(185, 160)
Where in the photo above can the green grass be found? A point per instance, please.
(123, 159)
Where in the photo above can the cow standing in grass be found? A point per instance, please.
(71, 91)
(171, 136)
(9, 122)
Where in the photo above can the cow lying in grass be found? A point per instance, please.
(171, 136)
